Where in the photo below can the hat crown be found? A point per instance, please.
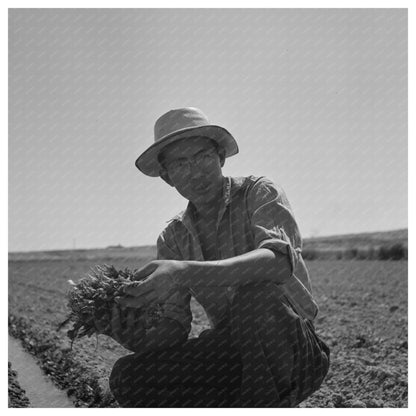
(179, 119)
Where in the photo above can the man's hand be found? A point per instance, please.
(162, 280)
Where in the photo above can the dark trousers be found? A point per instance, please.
(265, 356)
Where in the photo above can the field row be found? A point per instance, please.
(363, 317)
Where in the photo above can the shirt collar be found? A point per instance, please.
(230, 187)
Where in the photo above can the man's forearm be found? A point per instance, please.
(255, 266)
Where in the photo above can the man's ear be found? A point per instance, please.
(221, 154)
(164, 175)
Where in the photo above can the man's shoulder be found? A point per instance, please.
(249, 182)
(177, 217)
(170, 232)
(256, 189)
(238, 182)
(173, 223)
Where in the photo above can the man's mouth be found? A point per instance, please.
(201, 187)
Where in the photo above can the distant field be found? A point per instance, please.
(359, 240)
(103, 254)
(144, 252)
(387, 245)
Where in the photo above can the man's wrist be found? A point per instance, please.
(181, 277)
(198, 273)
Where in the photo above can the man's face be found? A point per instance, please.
(201, 183)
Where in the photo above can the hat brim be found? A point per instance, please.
(148, 163)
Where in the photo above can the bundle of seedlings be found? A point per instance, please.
(93, 298)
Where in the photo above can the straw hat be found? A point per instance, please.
(179, 124)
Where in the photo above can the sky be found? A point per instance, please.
(316, 99)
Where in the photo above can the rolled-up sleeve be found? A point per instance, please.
(272, 221)
(177, 307)
(274, 227)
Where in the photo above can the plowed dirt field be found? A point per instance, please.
(363, 318)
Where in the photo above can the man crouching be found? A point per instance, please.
(237, 249)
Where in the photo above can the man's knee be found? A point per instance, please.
(128, 371)
(118, 372)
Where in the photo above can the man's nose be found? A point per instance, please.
(195, 170)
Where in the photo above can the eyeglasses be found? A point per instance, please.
(202, 159)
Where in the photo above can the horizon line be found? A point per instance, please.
(120, 246)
